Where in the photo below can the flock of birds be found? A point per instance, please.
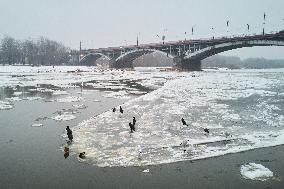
(132, 124)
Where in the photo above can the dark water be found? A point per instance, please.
(31, 156)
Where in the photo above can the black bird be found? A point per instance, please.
(134, 121)
(82, 155)
(114, 109)
(66, 152)
(183, 122)
(206, 130)
(120, 109)
(132, 128)
(69, 133)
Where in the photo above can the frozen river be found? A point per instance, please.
(243, 110)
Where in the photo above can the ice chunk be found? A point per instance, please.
(34, 98)
(16, 98)
(119, 94)
(80, 106)
(255, 171)
(70, 99)
(60, 93)
(37, 125)
(17, 93)
(63, 117)
(5, 105)
(146, 171)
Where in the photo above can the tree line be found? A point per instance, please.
(41, 51)
(234, 62)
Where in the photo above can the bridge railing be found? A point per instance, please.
(182, 42)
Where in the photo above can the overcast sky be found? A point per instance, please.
(107, 23)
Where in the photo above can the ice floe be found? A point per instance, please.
(70, 99)
(221, 102)
(119, 94)
(34, 98)
(17, 93)
(255, 171)
(79, 106)
(16, 98)
(63, 117)
(5, 105)
(37, 125)
(60, 93)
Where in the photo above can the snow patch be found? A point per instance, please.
(119, 94)
(79, 106)
(63, 117)
(34, 98)
(37, 125)
(5, 105)
(14, 99)
(146, 171)
(70, 99)
(17, 93)
(60, 93)
(255, 171)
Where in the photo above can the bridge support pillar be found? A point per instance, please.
(111, 63)
(121, 64)
(187, 64)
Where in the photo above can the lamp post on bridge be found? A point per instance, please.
(264, 17)
(164, 35)
(137, 41)
(248, 28)
(192, 30)
(163, 39)
(80, 51)
(212, 28)
(228, 25)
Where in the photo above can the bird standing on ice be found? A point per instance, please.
(120, 109)
(206, 131)
(183, 122)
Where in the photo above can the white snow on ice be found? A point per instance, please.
(37, 125)
(146, 171)
(5, 105)
(205, 102)
(79, 106)
(60, 93)
(255, 171)
(70, 99)
(63, 117)
(248, 104)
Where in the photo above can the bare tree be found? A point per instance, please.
(34, 52)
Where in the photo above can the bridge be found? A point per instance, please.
(187, 54)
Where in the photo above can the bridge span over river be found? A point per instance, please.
(187, 54)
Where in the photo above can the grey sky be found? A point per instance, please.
(117, 22)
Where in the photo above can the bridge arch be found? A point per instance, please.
(222, 47)
(91, 58)
(126, 60)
